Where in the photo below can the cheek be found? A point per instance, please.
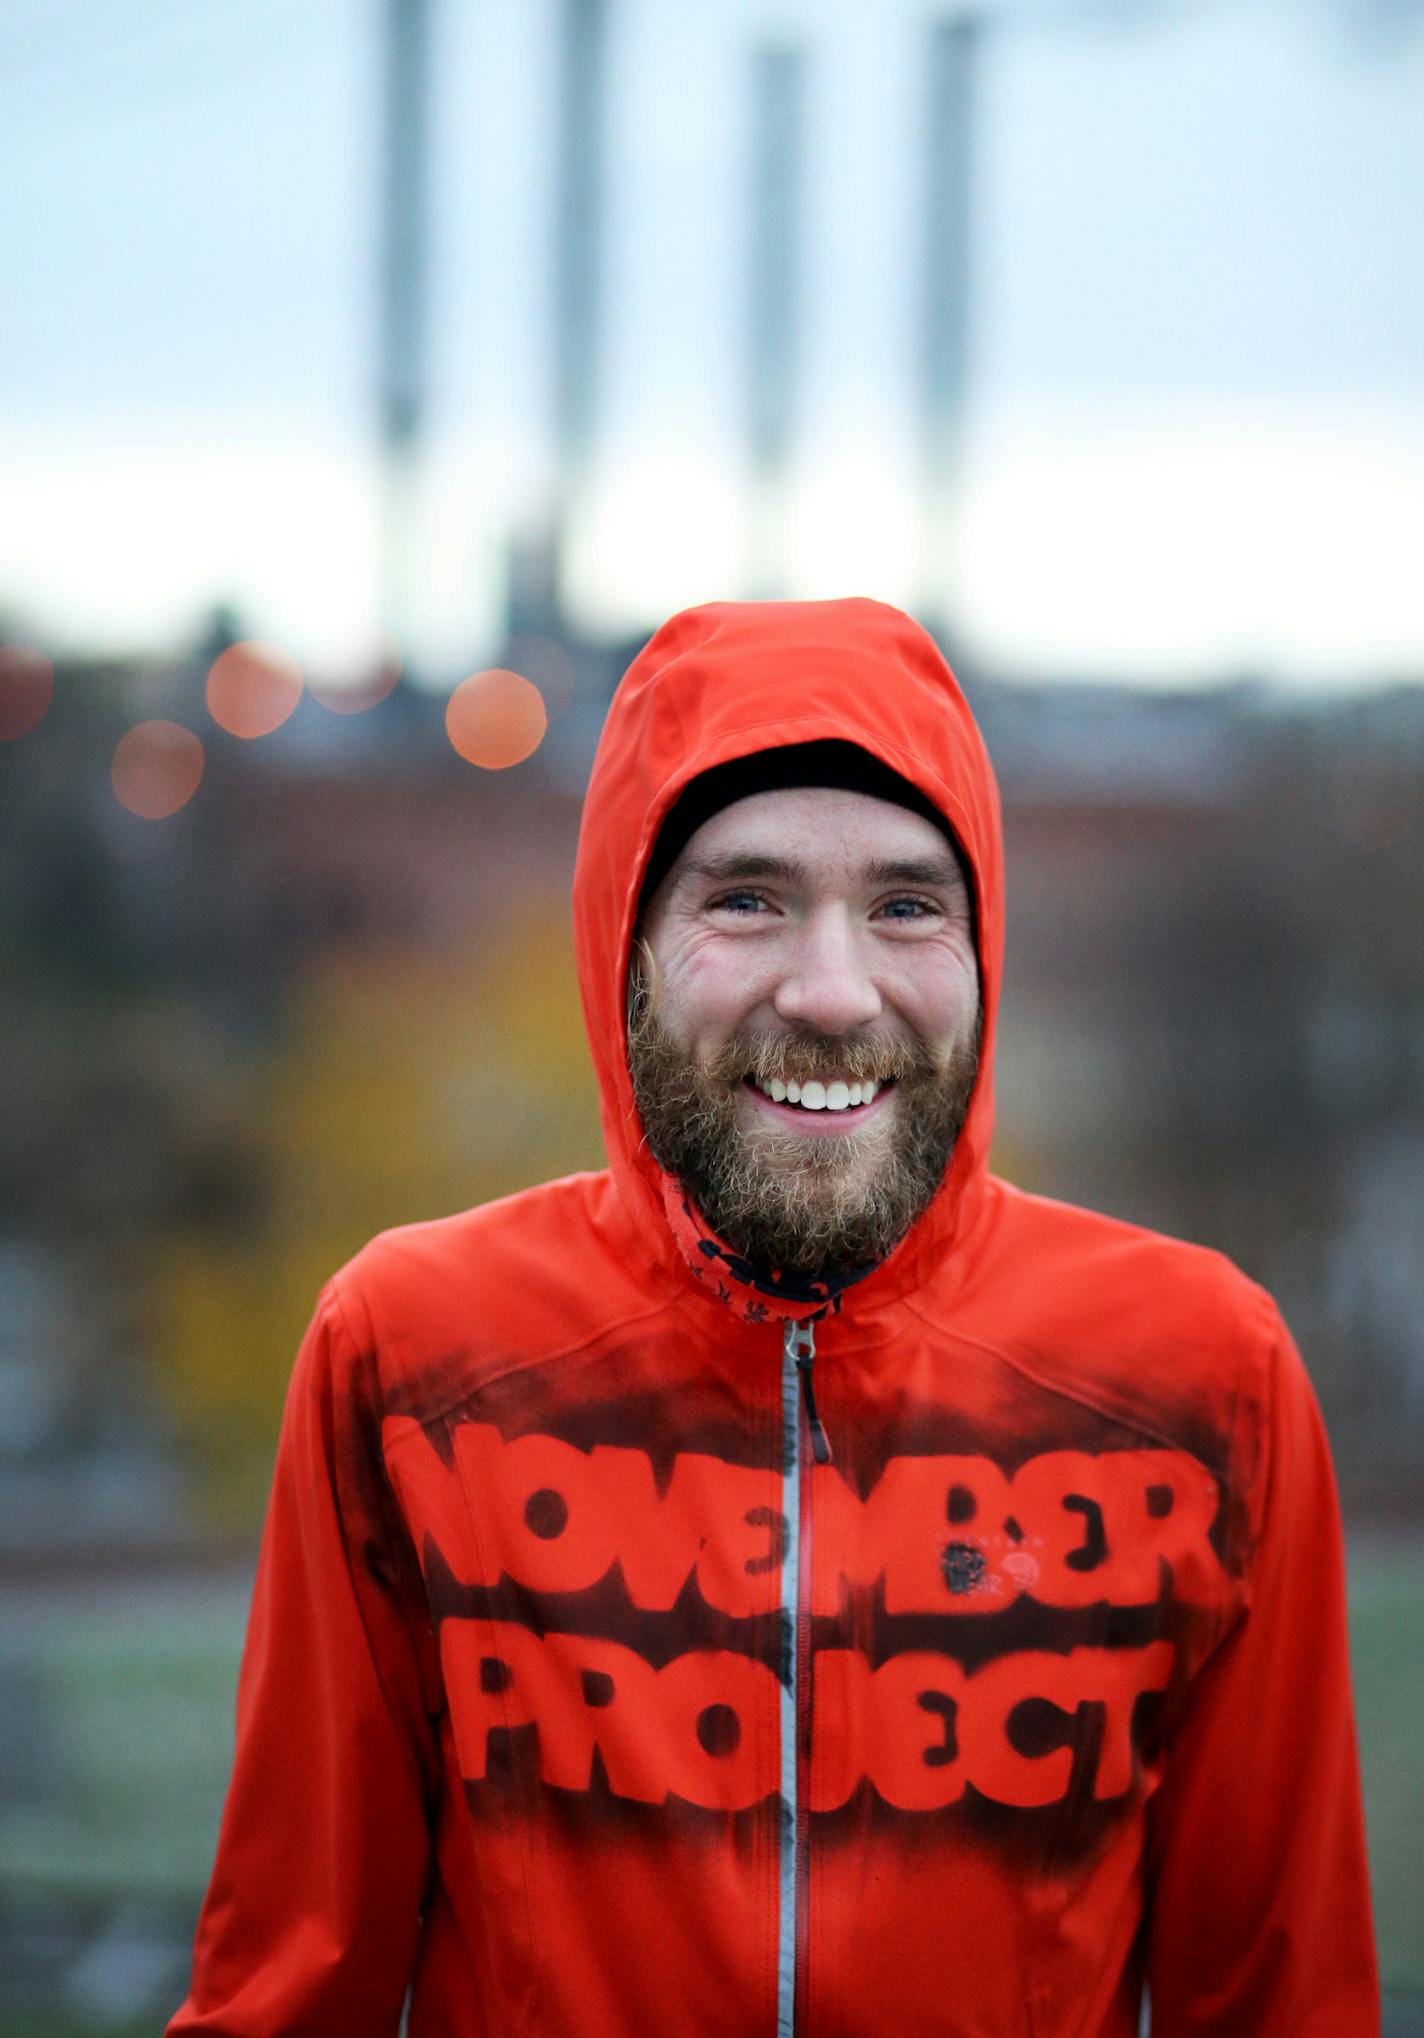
(941, 1002)
(706, 996)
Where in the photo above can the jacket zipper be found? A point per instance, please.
(798, 1399)
(801, 1344)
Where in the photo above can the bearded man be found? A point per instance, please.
(793, 1582)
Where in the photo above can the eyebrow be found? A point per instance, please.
(943, 871)
(721, 870)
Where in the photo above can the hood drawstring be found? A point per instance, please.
(799, 1345)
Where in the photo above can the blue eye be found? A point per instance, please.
(916, 909)
(737, 902)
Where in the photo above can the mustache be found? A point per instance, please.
(782, 1056)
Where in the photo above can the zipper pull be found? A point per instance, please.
(799, 1345)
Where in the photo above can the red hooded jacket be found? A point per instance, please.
(579, 1699)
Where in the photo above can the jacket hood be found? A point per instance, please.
(724, 681)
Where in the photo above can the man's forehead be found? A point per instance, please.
(819, 828)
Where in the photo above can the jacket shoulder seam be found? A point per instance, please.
(575, 1346)
(1099, 1405)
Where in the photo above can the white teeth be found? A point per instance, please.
(837, 1095)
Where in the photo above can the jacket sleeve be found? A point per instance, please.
(1258, 1896)
(310, 1924)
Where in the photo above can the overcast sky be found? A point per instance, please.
(1196, 423)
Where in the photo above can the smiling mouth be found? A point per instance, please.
(817, 1097)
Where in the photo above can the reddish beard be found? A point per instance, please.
(782, 1200)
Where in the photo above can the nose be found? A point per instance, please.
(828, 985)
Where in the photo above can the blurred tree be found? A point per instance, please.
(403, 1085)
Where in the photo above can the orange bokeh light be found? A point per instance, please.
(26, 689)
(156, 769)
(253, 688)
(496, 718)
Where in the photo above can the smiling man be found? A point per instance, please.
(793, 1582)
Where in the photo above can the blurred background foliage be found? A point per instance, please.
(403, 1082)
(353, 441)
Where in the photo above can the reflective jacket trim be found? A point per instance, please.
(790, 1594)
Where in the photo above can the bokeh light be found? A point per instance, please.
(156, 769)
(352, 695)
(496, 718)
(26, 689)
(253, 688)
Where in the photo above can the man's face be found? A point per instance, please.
(810, 944)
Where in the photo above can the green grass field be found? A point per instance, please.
(117, 1702)
(1387, 1650)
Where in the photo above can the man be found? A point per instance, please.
(793, 1582)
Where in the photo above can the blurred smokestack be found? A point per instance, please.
(404, 266)
(578, 252)
(777, 238)
(948, 195)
